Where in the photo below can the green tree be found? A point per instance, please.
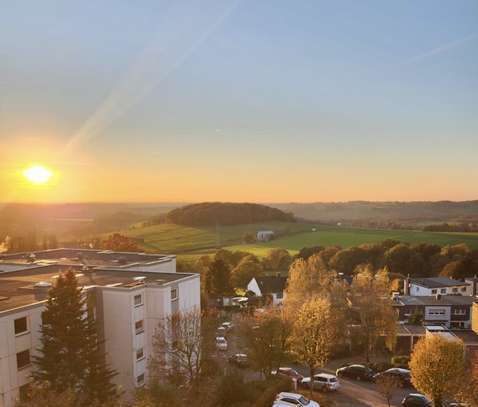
(98, 386)
(247, 268)
(437, 367)
(266, 337)
(70, 356)
(217, 278)
(61, 361)
(402, 259)
(277, 259)
(346, 260)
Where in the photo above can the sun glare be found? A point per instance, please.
(37, 174)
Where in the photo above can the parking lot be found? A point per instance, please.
(352, 393)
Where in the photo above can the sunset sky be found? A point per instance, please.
(270, 101)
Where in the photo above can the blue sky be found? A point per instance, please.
(241, 100)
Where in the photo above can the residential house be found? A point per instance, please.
(452, 311)
(269, 286)
(435, 285)
(472, 288)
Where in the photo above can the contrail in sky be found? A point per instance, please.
(442, 48)
(181, 30)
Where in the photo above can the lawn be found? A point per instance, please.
(192, 242)
(170, 238)
(347, 237)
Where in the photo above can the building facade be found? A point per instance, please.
(132, 293)
(450, 311)
(435, 285)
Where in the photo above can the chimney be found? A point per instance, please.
(406, 285)
(41, 289)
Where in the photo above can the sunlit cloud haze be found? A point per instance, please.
(239, 100)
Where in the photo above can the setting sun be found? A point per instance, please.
(37, 174)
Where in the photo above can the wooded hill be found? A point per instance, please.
(409, 212)
(226, 213)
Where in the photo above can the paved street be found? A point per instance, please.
(356, 393)
(351, 394)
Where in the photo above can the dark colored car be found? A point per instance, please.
(416, 400)
(402, 375)
(289, 372)
(239, 360)
(357, 372)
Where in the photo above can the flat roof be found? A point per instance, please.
(90, 257)
(437, 282)
(16, 288)
(445, 300)
(408, 329)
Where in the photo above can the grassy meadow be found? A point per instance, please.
(191, 242)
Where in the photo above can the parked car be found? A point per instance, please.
(289, 372)
(285, 399)
(221, 330)
(416, 400)
(227, 325)
(457, 404)
(221, 343)
(239, 359)
(402, 375)
(322, 381)
(357, 372)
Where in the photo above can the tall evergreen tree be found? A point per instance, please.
(71, 355)
(61, 361)
(98, 386)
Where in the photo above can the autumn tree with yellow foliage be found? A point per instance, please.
(437, 367)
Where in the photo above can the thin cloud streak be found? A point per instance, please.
(166, 52)
(441, 49)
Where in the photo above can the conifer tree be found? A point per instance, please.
(98, 386)
(61, 361)
(71, 354)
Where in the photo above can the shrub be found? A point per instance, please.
(400, 361)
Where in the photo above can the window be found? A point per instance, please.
(280, 295)
(139, 354)
(459, 311)
(174, 294)
(434, 291)
(443, 290)
(21, 326)
(139, 327)
(140, 379)
(23, 359)
(138, 300)
(438, 311)
(463, 289)
(455, 289)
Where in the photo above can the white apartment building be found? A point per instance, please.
(435, 285)
(132, 293)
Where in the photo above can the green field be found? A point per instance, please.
(178, 239)
(191, 242)
(353, 237)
